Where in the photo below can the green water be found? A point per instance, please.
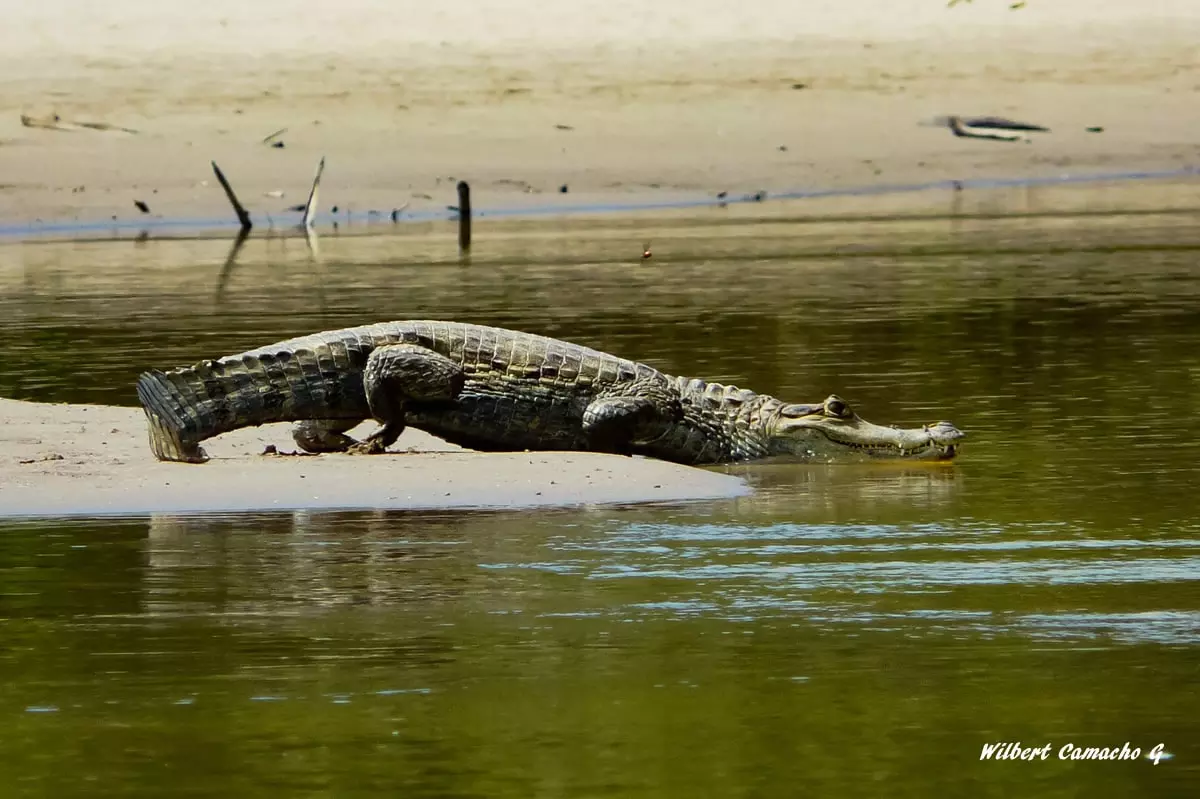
(846, 631)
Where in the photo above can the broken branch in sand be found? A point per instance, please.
(242, 214)
(55, 122)
(104, 126)
(991, 128)
(274, 136)
(464, 217)
(310, 207)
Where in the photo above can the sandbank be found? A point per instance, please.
(614, 100)
(60, 460)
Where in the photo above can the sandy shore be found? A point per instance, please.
(92, 459)
(614, 100)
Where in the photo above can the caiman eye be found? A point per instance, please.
(800, 411)
(836, 407)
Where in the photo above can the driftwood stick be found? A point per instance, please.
(464, 216)
(55, 122)
(310, 207)
(242, 214)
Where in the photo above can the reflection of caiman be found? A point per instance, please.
(500, 390)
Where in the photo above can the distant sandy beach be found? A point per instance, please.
(91, 459)
(613, 100)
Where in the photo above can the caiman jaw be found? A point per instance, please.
(832, 431)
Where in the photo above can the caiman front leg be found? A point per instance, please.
(396, 375)
(629, 413)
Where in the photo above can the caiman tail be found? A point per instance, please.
(186, 406)
(173, 420)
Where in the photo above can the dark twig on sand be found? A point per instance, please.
(55, 122)
(242, 214)
(965, 131)
(1002, 123)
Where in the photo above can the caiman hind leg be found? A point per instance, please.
(628, 414)
(324, 435)
(400, 374)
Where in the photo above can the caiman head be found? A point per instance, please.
(832, 431)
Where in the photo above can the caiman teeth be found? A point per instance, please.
(945, 451)
(879, 447)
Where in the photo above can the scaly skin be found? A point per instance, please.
(501, 390)
(515, 390)
(723, 424)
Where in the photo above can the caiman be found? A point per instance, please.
(492, 389)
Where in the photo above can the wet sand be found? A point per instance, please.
(616, 100)
(92, 459)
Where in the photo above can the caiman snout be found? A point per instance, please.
(832, 430)
(946, 437)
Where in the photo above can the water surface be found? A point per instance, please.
(852, 631)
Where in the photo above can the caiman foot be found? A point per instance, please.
(329, 435)
(366, 448)
(324, 435)
(378, 442)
